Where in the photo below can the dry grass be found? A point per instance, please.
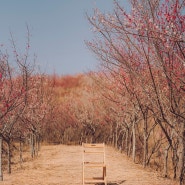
(62, 165)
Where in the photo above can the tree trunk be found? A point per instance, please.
(81, 138)
(174, 162)
(166, 161)
(1, 145)
(181, 153)
(122, 141)
(126, 141)
(32, 145)
(145, 145)
(36, 144)
(39, 142)
(116, 136)
(145, 151)
(113, 139)
(133, 142)
(130, 144)
(20, 152)
(9, 156)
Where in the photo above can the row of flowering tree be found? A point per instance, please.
(142, 56)
(23, 102)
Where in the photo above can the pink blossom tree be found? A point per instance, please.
(148, 40)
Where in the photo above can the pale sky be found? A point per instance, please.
(58, 29)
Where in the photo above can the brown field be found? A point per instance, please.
(62, 165)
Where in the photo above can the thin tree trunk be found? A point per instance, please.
(116, 136)
(113, 139)
(181, 152)
(1, 145)
(81, 139)
(145, 145)
(130, 144)
(20, 152)
(32, 145)
(174, 162)
(166, 161)
(9, 156)
(36, 145)
(39, 142)
(133, 142)
(122, 141)
(126, 140)
(145, 151)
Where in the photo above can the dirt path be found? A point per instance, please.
(61, 165)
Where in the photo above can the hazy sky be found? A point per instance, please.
(58, 29)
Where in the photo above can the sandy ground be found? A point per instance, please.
(62, 165)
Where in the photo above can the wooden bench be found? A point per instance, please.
(94, 158)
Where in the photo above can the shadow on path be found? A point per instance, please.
(113, 183)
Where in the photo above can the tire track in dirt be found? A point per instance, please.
(62, 165)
